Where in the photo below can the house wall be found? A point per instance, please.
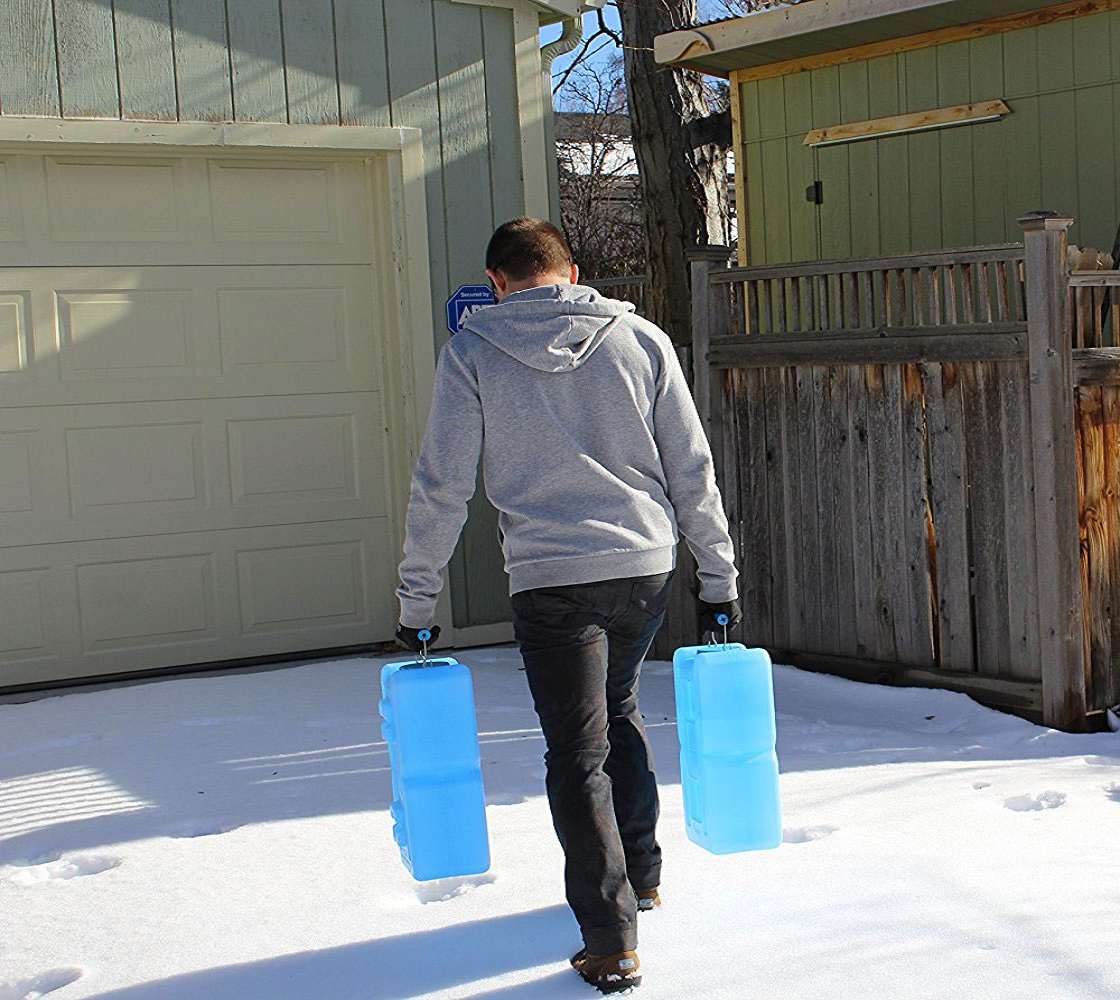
(447, 68)
(956, 187)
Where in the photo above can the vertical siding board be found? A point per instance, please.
(949, 501)
(1020, 63)
(1055, 56)
(771, 108)
(87, 60)
(1092, 56)
(894, 166)
(799, 580)
(501, 92)
(832, 168)
(363, 78)
(1096, 148)
(758, 195)
(988, 142)
(801, 165)
(955, 147)
(1110, 693)
(257, 58)
(923, 153)
(28, 66)
(1023, 165)
(311, 75)
(202, 68)
(145, 59)
(750, 109)
(775, 171)
(863, 163)
(828, 445)
(1057, 115)
(847, 641)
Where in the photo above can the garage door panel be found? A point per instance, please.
(164, 209)
(129, 469)
(94, 335)
(99, 607)
(193, 438)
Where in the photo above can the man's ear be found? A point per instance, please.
(575, 274)
(500, 283)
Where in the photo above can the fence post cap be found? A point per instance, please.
(719, 254)
(1044, 220)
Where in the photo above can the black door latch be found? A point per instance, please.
(814, 193)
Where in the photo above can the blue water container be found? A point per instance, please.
(439, 806)
(729, 768)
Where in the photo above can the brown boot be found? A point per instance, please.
(608, 973)
(648, 899)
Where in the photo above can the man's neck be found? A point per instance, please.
(537, 281)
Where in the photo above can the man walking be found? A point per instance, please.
(595, 457)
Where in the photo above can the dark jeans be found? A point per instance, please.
(583, 648)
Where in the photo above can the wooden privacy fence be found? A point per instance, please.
(918, 490)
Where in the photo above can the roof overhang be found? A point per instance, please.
(561, 10)
(817, 26)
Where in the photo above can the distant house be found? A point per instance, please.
(227, 233)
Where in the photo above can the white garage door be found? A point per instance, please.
(192, 437)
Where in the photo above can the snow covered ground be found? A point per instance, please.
(227, 838)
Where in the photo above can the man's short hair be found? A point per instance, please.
(524, 248)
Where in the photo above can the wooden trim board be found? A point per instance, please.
(956, 33)
(915, 121)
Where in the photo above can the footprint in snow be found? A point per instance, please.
(199, 828)
(505, 799)
(40, 985)
(1035, 803)
(1113, 791)
(980, 785)
(441, 890)
(64, 869)
(806, 834)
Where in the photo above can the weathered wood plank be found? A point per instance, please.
(1022, 570)
(202, 60)
(28, 61)
(987, 513)
(899, 347)
(363, 79)
(86, 60)
(828, 446)
(798, 578)
(889, 579)
(1096, 541)
(917, 525)
(257, 59)
(310, 66)
(847, 636)
(778, 461)
(807, 511)
(1108, 695)
(863, 568)
(949, 504)
(756, 584)
(1096, 366)
(145, 59)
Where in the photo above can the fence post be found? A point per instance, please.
(1053, 455)
(710, 318)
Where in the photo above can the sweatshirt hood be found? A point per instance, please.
(552, 328)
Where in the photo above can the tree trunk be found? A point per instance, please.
(684, 189)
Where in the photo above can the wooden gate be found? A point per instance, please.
(897, 442)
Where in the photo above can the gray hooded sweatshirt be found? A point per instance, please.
(591, 446)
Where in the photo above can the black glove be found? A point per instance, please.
(709, 616)
(409, 638)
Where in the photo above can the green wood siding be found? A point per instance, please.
(444, 67)
(955, 187)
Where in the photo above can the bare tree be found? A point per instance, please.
(681, 149)
(599, 197)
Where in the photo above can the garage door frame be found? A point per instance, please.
(394, 159)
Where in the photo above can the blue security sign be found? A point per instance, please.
(465, 303)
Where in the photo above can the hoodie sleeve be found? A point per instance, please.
(690, 477)
(442, 483)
